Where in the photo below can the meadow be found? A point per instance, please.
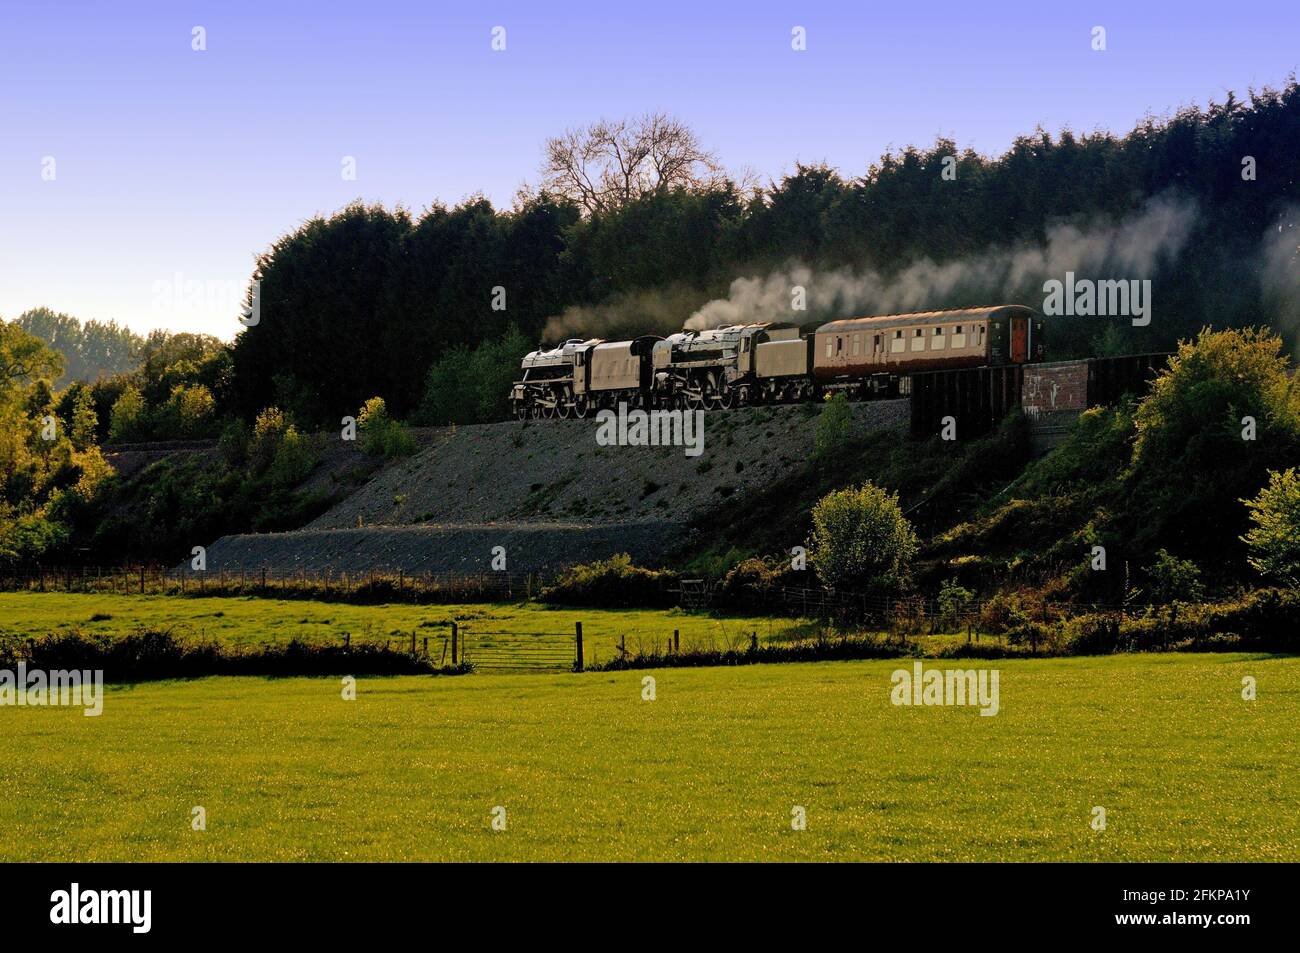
(251, 621)
(711, 769)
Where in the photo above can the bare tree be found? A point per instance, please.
(609, 164)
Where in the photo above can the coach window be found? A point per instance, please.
(918, 340)
(829, 346)
(857, 343)
(839, 344)
(959, 336)
(937, 344)
(897, 346)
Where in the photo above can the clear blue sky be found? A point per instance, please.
(173, 161)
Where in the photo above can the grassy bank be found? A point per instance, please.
(249, 622)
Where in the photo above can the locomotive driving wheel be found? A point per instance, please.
(580, 405)
(521, 410)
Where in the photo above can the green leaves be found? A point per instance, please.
(1274, 539)
(861, 540)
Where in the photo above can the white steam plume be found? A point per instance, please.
(1280, 274)
(1131, 248)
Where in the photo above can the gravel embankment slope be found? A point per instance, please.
(547, 492)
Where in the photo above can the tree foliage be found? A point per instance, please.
(379, 296)
(861, 541)
(90, 349)
(1274, 537)
(834, 425)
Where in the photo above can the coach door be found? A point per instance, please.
(1019, 340)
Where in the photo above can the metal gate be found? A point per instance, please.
(514, 652)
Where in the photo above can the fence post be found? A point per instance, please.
(577, 631)
(412, 641)
(753, 642)
(426, 646)
(454, 632)
(677, 640)
(141, 580)
(264, 579)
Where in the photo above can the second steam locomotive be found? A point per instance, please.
(771, 362)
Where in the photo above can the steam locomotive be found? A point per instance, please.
(773, 362)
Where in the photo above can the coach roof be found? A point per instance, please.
(926, 317)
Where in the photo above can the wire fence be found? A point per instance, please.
(911, 611)
(374, 585)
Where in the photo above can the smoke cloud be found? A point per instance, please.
(1280, 274)
(626, 316)
(1131, 248)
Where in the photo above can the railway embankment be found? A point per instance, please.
(548, 493)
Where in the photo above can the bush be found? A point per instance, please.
(1174, 579)
(861, 541)
(277, 451)
(381, 436)
(834, 426)
(749, 582)
(1264, 618)
(613, 583)
(953, 600)
(152, 654)
(1274, 540)
(193, 408)
(125, 417)
(469, 386)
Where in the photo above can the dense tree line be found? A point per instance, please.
(366, 301)
(90, 350)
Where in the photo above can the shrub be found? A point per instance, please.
(294, 459)
(612, 583)
(193, 407)
(278, 451)
(834, 426)
(953, 600)
(1264, 618)
(84, 419)
(749, 582)
(861, 540)
(151, 654)
(381, 436)
(1095, 634)
(1174, 579)
(268, 433)
(1274, 540)
(124, 418)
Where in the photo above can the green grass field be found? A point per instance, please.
(249, 621)
(711, 769)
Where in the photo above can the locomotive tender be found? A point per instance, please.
(773, 362)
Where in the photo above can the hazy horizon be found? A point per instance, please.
(170, 161)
